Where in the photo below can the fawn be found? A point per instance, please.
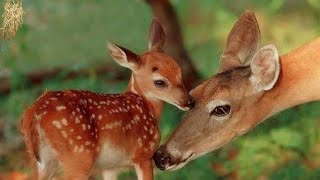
(80, 130)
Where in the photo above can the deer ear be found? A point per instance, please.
(265, 68)
(156, 36)
(124, 57)
(197, 91)
(242, 43)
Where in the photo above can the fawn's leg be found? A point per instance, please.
(110, 174)
(144, 170)
(46, 169)
(47, 166)
(77, 167)
(71, 172)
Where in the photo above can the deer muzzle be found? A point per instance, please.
(164, 160)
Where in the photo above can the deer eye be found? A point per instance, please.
(221, 110)
(160, 83)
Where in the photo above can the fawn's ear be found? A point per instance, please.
(242, 43)
(124, 57)
(156, 36)
(265, 68)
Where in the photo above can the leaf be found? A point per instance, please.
(287, 138)
(314, 3)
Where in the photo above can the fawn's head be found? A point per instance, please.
(225, 104)
(157, 74)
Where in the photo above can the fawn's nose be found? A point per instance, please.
(191, 102)
(161, 158)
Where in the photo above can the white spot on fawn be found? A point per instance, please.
(81, 148)
(77, 120)
(64, 134)
(79, 137)
(128, 126)
(156, 136)
(87, 143)
(70, 141)
(59, 108)
(57, 124)
(140, 142)
(152, 145)
(113, 125)
(98, 149)
(75, 149)
(136, 118)
(64, 121)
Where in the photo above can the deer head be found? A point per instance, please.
(158, 72)
(224, 104)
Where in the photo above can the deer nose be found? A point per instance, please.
(161, 158)
(191, 102)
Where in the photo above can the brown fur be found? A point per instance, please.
(199, 132)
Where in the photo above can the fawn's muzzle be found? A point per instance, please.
(191, 102)
(188, 102)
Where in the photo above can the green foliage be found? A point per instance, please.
(292, 171)
(287, 138)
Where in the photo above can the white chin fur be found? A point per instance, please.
(180, 107)
(177, 166)
(180, 165)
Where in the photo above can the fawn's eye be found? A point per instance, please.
(160, 83)
(221, 110)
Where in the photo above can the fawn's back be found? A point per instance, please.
(83, 122)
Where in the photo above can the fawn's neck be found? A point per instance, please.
(154, 105)
(298, 83)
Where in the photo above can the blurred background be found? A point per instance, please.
(61, 45)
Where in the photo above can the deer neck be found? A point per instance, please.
(298, 83)
(154, 105)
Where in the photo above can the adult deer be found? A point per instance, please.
(252, 85)
(80, 130)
